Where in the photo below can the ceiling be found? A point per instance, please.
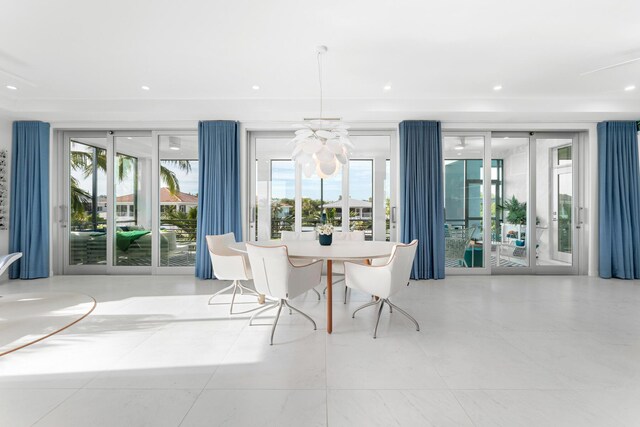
(77, 60)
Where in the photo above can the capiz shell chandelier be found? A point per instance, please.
(322, 146)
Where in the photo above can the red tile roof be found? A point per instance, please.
(165, 197)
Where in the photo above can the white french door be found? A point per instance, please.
(562, 202)
(361, 196)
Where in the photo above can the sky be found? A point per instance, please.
(360, 182)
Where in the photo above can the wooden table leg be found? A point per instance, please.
(329, 296)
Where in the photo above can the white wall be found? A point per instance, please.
(516, 172)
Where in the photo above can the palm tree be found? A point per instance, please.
(84, 161)
(169, 178)
(185, 221)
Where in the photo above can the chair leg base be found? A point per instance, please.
(382, 302)
(279, 305)
(236, 286)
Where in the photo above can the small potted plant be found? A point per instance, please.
(325, 234)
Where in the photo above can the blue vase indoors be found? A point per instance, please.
(325, 239)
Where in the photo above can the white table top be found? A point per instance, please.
(338, 250)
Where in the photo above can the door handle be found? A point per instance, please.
(578, 218)
(393, 214)
(63, 216)
(252, 215)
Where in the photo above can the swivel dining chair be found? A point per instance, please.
(305, 236)
(279, 280)
(7, 260)
(229, 265)
(338, 266)
(384, 280)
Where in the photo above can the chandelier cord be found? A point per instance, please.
(320, 81)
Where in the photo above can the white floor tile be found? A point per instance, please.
(295, 361)
(122, 408)
(394, 361)
(582, 360)
(24, 407)
(484, 361)
(177, 357)
(514, 408)
(258, 408)
(395, 407)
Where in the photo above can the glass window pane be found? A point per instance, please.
(178, 199)
(387, 199)
(565, 205)
(464, 202)
(133, 239)
(554, 202)
(88, 204)
(361, 196)
(283, 197)
(319, 194)
(510, 245)
(564, 156)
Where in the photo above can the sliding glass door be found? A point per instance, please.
(468, 221)
(540, 213)
(360, 197)
(84, 216)
(177, 175)
(511, 203)
(128, 202)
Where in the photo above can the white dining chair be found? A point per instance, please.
(279, 280)
(384, 280)
(229, 265)
(305, 236)
(338, 266)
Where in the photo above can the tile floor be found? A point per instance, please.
(492, 351)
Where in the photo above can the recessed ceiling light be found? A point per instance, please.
(459, 154)
(129, 137)
(387, 88)
(11, 87)
(458, 147)
(497, 88)
(145, 87)
(628, 88)
(255, 87)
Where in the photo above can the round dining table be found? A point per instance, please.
(338, 251)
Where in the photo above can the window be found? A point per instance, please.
(178, 171)
(122, 210)
(321, 197)
(283, 194)
(88, 195)
(354, 198)
(464, 201)
(361, 196)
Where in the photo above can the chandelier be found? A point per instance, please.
(322, 145)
